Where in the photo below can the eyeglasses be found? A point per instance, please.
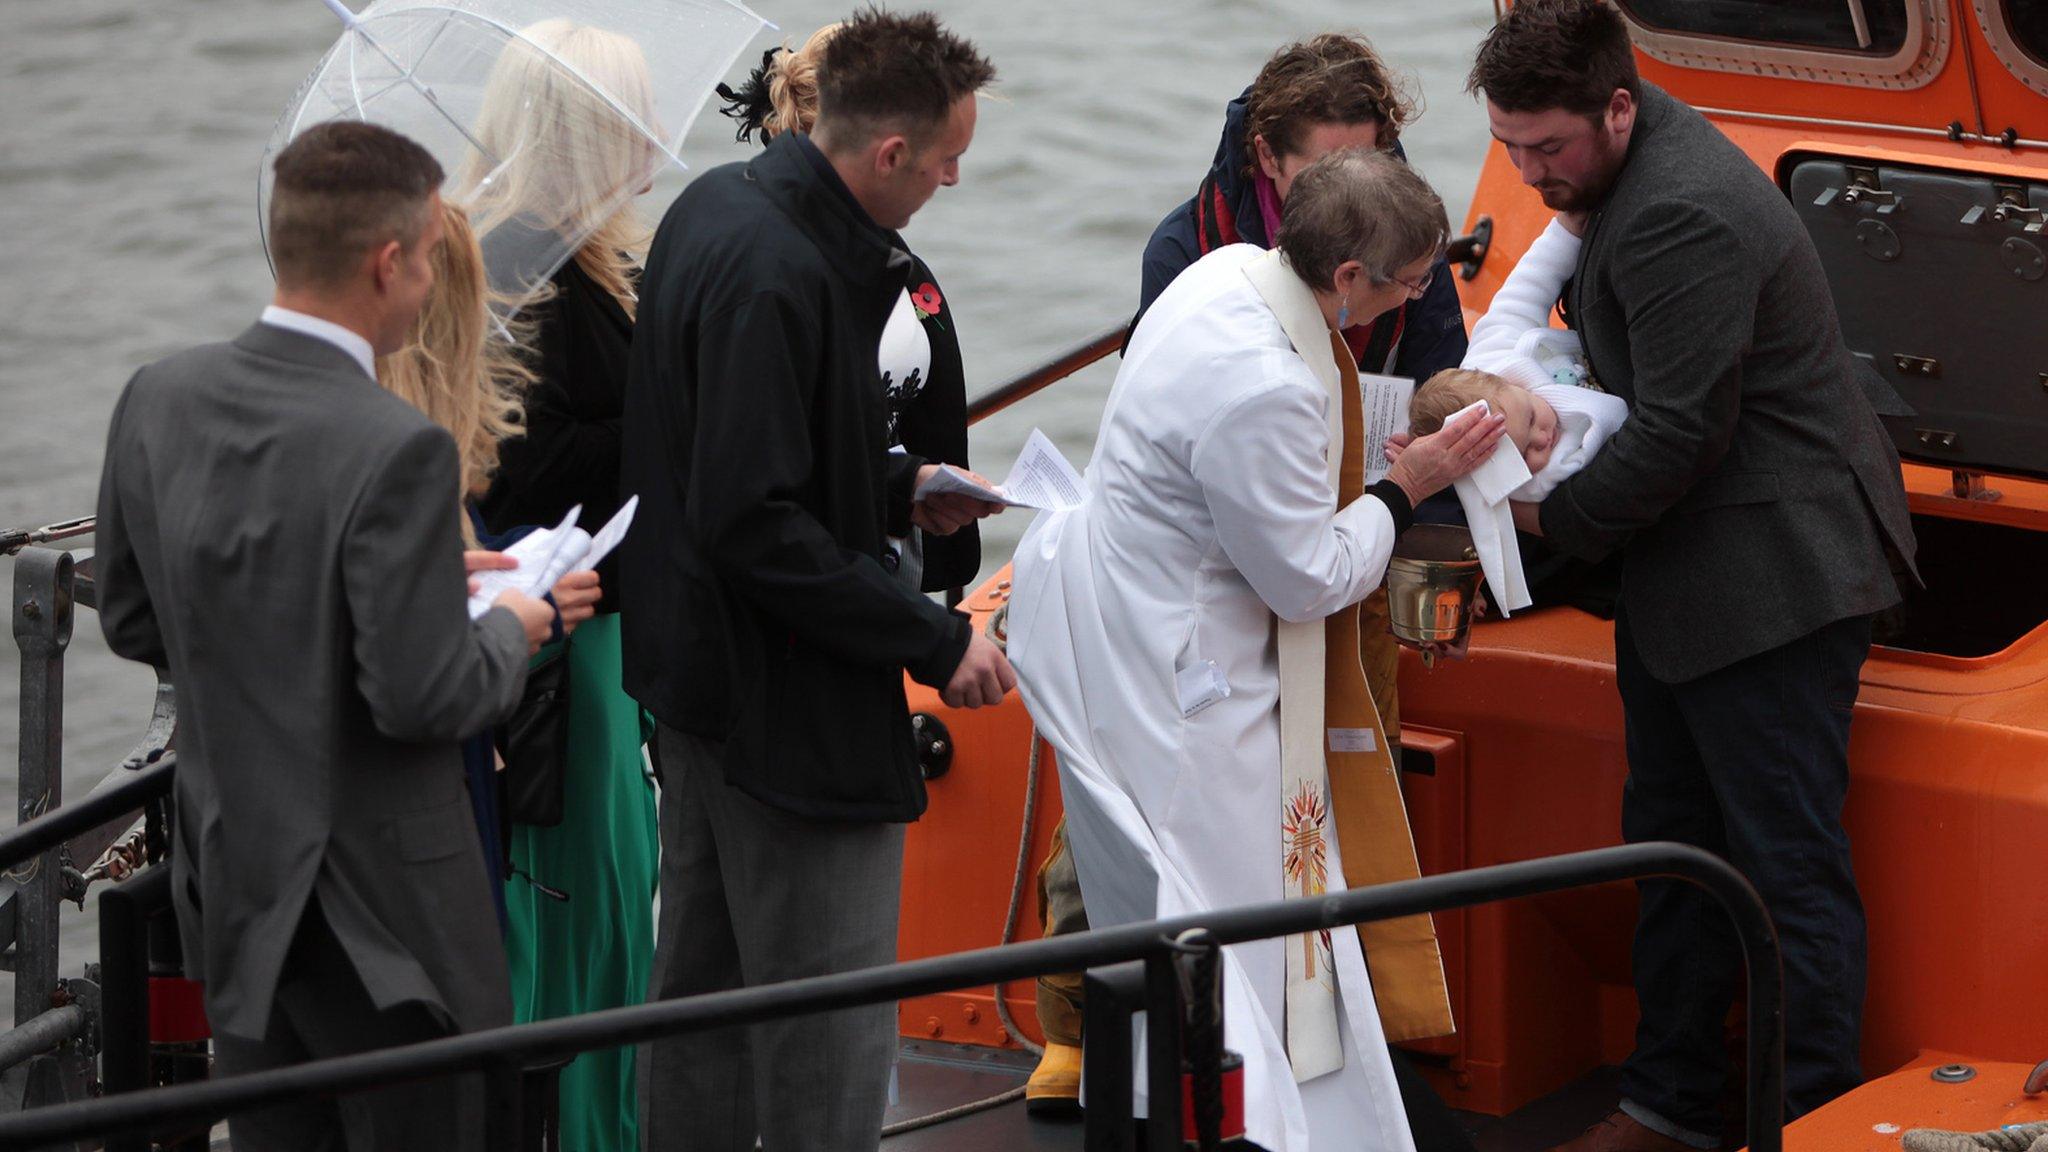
(1416, 290)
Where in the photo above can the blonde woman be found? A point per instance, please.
(570, 165)
(920, 351)
(454, 371)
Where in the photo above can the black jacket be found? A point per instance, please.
(756, 607)
(932, 424)
(1433, 334)
(570, 454)
(1752, 493)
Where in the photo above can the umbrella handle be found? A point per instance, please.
(348, 19)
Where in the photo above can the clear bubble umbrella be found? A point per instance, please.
(549, 116)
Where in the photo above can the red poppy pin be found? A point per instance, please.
(927, 300)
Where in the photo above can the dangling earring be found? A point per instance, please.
(1343, 315)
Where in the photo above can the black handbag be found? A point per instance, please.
(534, 744)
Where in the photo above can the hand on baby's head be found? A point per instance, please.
(1531, 421)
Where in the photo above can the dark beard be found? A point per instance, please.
(1586, 198)
(1570, 199)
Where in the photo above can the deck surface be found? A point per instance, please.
(934, 1077)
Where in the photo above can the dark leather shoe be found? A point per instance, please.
(1622, 1133)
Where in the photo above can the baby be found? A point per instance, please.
(1537, 377)
(1533, 374)
(1532, 422)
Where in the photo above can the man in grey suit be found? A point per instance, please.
(282, 535)
(1757, 506)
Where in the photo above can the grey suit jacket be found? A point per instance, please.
(1752, 491)
(282, 535)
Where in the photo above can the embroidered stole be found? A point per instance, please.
(1325, 757)
(1371, 819)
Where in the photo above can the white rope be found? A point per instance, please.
(2015, 1138)
(1017, 894)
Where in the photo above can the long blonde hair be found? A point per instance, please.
(566, 160)
(454, 369)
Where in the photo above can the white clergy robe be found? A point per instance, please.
(1210, 511)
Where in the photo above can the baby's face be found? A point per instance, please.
(1532, 425)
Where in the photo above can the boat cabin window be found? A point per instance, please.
(1895, 44)
(1874, 26)
(2027, 24)
(2018, 33)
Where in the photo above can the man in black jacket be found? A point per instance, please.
(762, 628)
(1757, 506)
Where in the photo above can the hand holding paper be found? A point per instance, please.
(545, 555)
(1041, 478)
(944, 513)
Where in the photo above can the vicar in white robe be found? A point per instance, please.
(1152, 627)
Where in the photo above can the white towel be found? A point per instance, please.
(1484, 493)
(1585, 419)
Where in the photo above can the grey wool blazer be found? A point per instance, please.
(282, 535)
(1752, 493)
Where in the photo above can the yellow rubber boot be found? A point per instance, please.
(1054, 1089)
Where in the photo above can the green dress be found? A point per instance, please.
(593, 950)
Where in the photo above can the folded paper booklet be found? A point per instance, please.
(545, 555)
(1385, 404)
(1041, 478)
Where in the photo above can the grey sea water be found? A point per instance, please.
(131, 132)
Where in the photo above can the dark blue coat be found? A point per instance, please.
(1434, 338)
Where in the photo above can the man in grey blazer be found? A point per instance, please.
(1757, 506)
(282, 535)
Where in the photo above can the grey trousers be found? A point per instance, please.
(753, 895)
(322, 1010)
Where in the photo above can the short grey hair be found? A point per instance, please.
(1364, 205)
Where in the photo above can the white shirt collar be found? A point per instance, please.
(327, 330)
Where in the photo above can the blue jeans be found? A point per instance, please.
(1750, 762)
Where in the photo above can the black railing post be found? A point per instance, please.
(1202, 970)
(42, 630)
(1764, 1122)
(1164, 1012)
(125, 911)
(504, 1105)
(1111, 996)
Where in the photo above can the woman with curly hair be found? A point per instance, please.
(1311, 98)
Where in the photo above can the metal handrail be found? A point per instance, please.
(1031, 383)
(13, 540)
(517, 1045)
(32, 838)
(1468, 251)
(41, 1034)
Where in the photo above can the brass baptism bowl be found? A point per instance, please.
(1431, 584)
